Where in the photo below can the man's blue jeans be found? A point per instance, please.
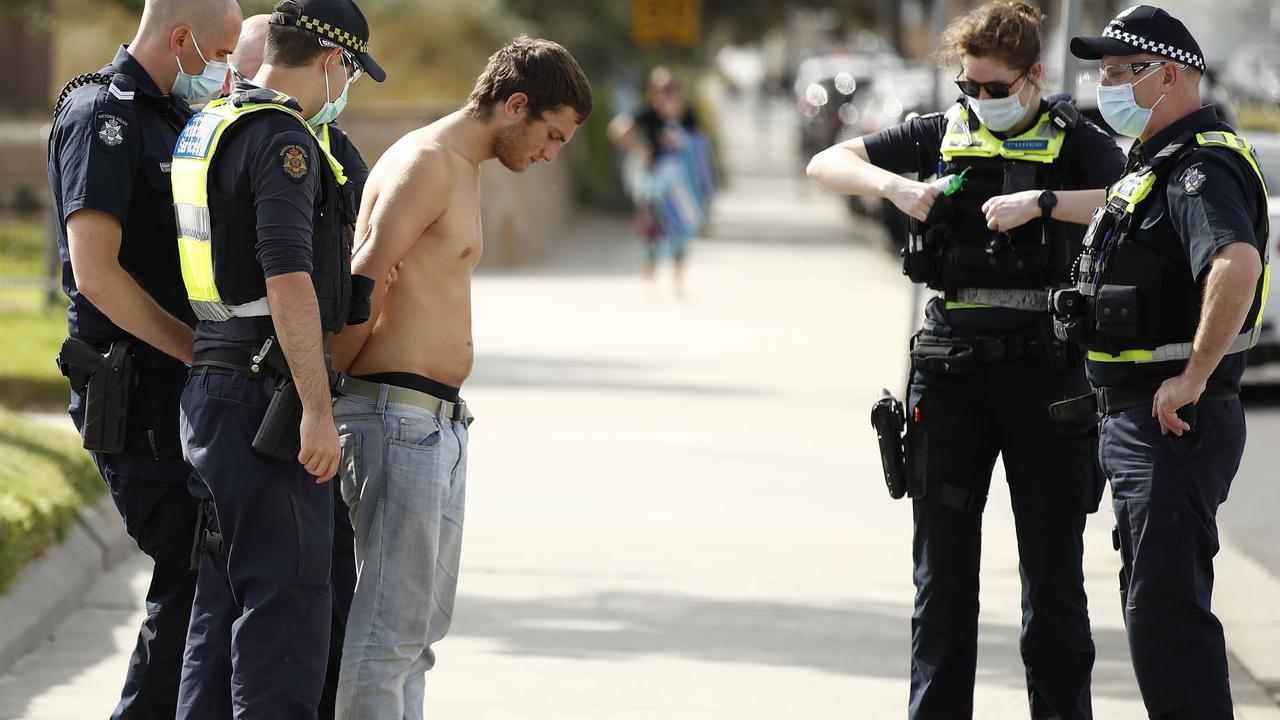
(404, 477)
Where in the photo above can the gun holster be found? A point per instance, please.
(279, 434)
(208, 536)
(106, 382)
(890, 421)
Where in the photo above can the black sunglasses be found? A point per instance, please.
(994, 89)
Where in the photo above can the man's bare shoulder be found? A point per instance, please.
(413, 170)
(417, 156)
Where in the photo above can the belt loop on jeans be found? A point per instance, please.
(383, 388)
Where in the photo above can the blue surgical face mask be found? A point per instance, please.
(999, 114)
(331, 108)
(1121, 110)
(202, 86)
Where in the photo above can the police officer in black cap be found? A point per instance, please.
(264, 219)
(245, 63)
(128, 319)
(1169, 297)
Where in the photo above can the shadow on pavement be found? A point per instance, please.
(81, 655)
(868, 641)
(570, 373)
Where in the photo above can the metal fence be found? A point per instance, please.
(28, 244)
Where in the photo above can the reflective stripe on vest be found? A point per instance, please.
(192, 156)
(1042, 143)
(1135, 188)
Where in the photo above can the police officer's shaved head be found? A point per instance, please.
(253, 39)
(185, 36)
(161, 16)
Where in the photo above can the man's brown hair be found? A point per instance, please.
(1008, 31)
(541, 69)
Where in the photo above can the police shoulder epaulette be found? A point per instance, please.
(259, 96)
(119, 87)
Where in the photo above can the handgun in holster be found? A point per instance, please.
(106, 382)
(278, 435)
(890, 422)
(208, 537)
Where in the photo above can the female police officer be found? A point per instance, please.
(1019, 177)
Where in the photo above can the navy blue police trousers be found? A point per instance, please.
(259, 638)
(148, 483)
(957, 426)
(1166, 491)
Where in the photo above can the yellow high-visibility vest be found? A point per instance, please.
(192, 157)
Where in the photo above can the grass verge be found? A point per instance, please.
(28, 376)
(45, 478)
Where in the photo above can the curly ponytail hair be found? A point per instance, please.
(1009, 31)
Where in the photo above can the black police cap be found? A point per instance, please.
(339, 22)
(1142, 29)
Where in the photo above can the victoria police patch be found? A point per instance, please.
(1193, 179)
(293, 160)
(111, 130)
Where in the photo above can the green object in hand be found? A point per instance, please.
(951, 184)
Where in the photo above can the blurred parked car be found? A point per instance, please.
(827, 87)
(1264, 358)
(1252, 73)
(894, 96)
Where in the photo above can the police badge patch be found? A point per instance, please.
(293, 160)
(111, 130)
(1193, 179)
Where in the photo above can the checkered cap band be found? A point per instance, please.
(329, 32)
(1156, 48)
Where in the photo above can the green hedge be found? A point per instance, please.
(45, 478)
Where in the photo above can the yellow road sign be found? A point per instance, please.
(655, 23)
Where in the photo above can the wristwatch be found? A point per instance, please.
(1047, 202)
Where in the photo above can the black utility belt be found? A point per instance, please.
(232, 358)
(958, 355)
(1118, 398)
(278, 436)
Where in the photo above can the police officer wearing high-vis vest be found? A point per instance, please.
(1016, 177)
(1169, 294)
(245, 63)
(128, 319)
(264, 236)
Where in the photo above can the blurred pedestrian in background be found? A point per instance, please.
(668, 171)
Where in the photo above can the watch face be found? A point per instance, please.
(1048, 200)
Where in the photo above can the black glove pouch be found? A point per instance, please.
(1117, 311)
(361, 305)
(947, 358)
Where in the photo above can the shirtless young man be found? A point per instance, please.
(402, 427)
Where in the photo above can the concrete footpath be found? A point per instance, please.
(675, 509)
